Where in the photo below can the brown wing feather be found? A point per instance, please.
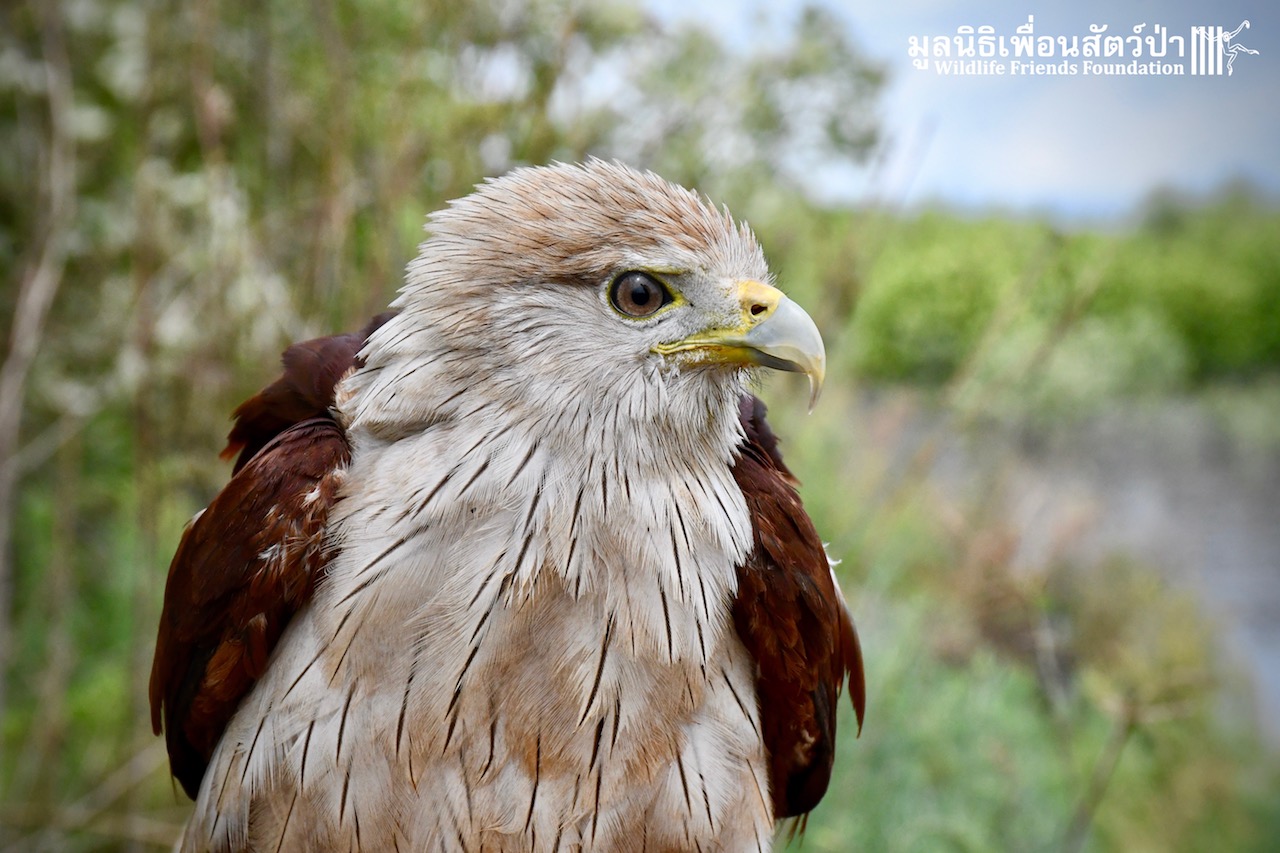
(242, 569)
(792, 619)
(250, 560)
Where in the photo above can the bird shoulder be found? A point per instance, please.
(791, 617)
(249, 561)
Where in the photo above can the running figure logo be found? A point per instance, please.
(1209, 45)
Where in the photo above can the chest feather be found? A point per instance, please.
(512, 649)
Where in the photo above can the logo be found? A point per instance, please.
(1139, 50)
(1209, 45)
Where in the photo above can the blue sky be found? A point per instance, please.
(1075, 147)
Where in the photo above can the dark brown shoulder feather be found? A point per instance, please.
(243, 568)
(790, 615)
(312, 370)
(249, 562)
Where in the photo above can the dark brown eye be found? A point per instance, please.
(638, 294)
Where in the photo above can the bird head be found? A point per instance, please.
(555, 285)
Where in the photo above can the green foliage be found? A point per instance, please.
(931, 295)
(1044, 321)
(968, 755)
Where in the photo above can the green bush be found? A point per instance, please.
(1135, 310)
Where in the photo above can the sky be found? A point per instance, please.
(1079, 146)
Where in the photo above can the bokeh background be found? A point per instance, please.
(1048, 454)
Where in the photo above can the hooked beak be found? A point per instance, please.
(771, 331)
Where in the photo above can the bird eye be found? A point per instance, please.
(638, 294)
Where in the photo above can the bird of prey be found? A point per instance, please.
(518, 566)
